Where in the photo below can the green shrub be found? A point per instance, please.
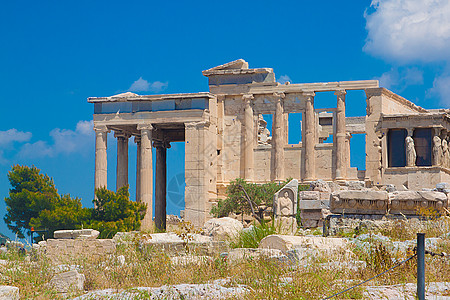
(251, 238)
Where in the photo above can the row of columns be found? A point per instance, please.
(309, 141)
(144, 169)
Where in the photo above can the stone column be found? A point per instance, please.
(348, 137)
(137, 140)
(341, 153)
(278, 138)
(249, 138)
(309, 138)
(160, 183)
(101, 163)
(122, 159)
(146, 174)
(437, 148)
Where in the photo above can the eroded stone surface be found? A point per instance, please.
(290, 242)
(9, 292)
(222, 228)
(68, 281)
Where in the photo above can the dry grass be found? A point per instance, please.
(321, 276)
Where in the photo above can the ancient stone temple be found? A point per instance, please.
(226, 137)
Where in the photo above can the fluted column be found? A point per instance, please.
(160, 183)
(249, 138)
(278, 138)
(122, 159)
(137, 140)
(309, 137)
(341, 153)
(101, 162)
(146, 174)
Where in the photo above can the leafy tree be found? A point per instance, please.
(114, 211)
(67, 213)
(34, 202)
(249, 198)
(31, 192)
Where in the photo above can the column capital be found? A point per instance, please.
(410, 131)
(144, 127)
(340, 92)
(101, 128)
(247, 98)
(161, 144)
(197, 124)
(221, 97)
(279, 95)
(121, 134)
(309, 94)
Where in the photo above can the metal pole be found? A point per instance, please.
(421, 266)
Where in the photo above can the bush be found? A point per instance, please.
(252, 237)
(114, 212)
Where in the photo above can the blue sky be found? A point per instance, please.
(56, 54)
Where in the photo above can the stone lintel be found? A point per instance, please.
(134, 97)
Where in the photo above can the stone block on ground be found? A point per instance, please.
(74, 234)
(286, 243)
(222, 228)
(174, 245)
(60, 249)
(9, 292)
(359, 202)
(240, 254)
(409, 202)
(68, 281)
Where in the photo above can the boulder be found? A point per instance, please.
(9, 292)
(287, 243)
(222, 228)
(355, 185)
(68, 281)
(320, 186)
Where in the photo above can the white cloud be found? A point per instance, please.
(142, 85)
(409, 30)
(441, 88)
(158, 86)
(64, 141)
(13, 135)
(400, 78)
(283, 79)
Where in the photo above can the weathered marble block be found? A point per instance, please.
(410, 202)
(359, 202)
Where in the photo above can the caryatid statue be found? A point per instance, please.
(264, 137)
(410, 152)
(437, 151)
(445, 153)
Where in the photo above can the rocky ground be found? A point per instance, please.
(204, 265)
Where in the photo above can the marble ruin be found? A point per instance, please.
(226, 137)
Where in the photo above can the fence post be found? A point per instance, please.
(421, 266)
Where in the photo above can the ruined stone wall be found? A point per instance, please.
(415, 178)
(61, 249)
